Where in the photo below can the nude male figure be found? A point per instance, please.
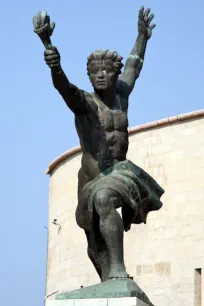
(107, 180)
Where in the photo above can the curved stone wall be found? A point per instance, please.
(162, 255)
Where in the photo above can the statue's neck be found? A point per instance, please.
(107, 97)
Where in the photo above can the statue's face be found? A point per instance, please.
(102, 74)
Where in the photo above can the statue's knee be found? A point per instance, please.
(105, 200)
(101, 200)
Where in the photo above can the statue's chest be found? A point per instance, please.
(104, 119)
(112, 120)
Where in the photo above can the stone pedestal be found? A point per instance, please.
(117, 292)
(125, 301)
(115, 288)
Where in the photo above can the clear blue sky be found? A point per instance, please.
(36, 126)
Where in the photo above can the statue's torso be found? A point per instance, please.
(103, 134)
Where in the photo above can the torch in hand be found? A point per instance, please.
(43, 28)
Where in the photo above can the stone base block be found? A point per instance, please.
(125, 301)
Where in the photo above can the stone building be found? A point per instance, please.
(165, 256)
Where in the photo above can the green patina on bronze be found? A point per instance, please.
(107, 289)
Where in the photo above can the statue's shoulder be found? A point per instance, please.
(123, 101)
(87, 95)
(90, 100)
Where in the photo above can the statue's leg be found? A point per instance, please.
(99, 255)
(99, 258)
(111, 228)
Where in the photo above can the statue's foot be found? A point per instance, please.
(117, 271)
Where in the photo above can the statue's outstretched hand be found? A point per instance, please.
(52, 57)
(144, 22)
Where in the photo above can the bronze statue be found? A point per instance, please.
(106, 179)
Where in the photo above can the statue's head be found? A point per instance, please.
(104, 67)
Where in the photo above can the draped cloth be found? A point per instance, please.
(139, 192)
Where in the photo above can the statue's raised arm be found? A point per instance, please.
(69, 92)
(135, 59)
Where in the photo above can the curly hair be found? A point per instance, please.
(100, 55)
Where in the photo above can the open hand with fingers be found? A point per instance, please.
(144, 22)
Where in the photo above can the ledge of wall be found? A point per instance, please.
(136, 129)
